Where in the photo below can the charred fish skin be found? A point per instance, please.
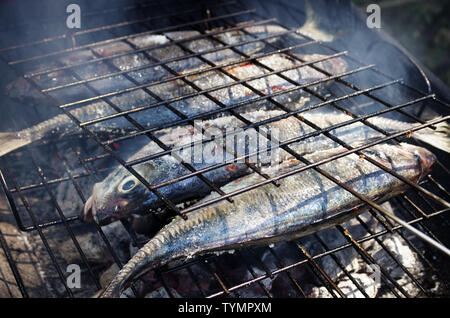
(159, 48)
(270, 213)
(121, 194)
(131, 196)
(24, 92)
(61, 125)
(109, 202)
(118, 205)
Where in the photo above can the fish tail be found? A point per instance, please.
(111, 291)
(438, 138)
(10, 141)
(155, 253)
(126, 275)
(169, 244)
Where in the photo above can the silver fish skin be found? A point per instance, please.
(108, 202)
(61, 125)
(23, 91)
(144, 72)
(303, 202)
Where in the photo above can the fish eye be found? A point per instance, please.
(128, 184)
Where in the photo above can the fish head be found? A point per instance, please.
(413, 161)
(118, 196)
(425, 158)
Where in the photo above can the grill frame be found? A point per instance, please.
(309, 260)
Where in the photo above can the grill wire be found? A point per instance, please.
(424, 206)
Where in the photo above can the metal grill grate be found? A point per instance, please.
(424, 206)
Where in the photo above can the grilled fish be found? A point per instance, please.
(168, 89)
(303, 203)
(121, 194)
(121, 58)
(110, 201)
(103, 65)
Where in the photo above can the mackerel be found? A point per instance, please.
(303, 203)
(121, 194)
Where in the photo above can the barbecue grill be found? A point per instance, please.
(44, 185)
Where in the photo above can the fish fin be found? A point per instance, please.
(10, 141)
(439, 138)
